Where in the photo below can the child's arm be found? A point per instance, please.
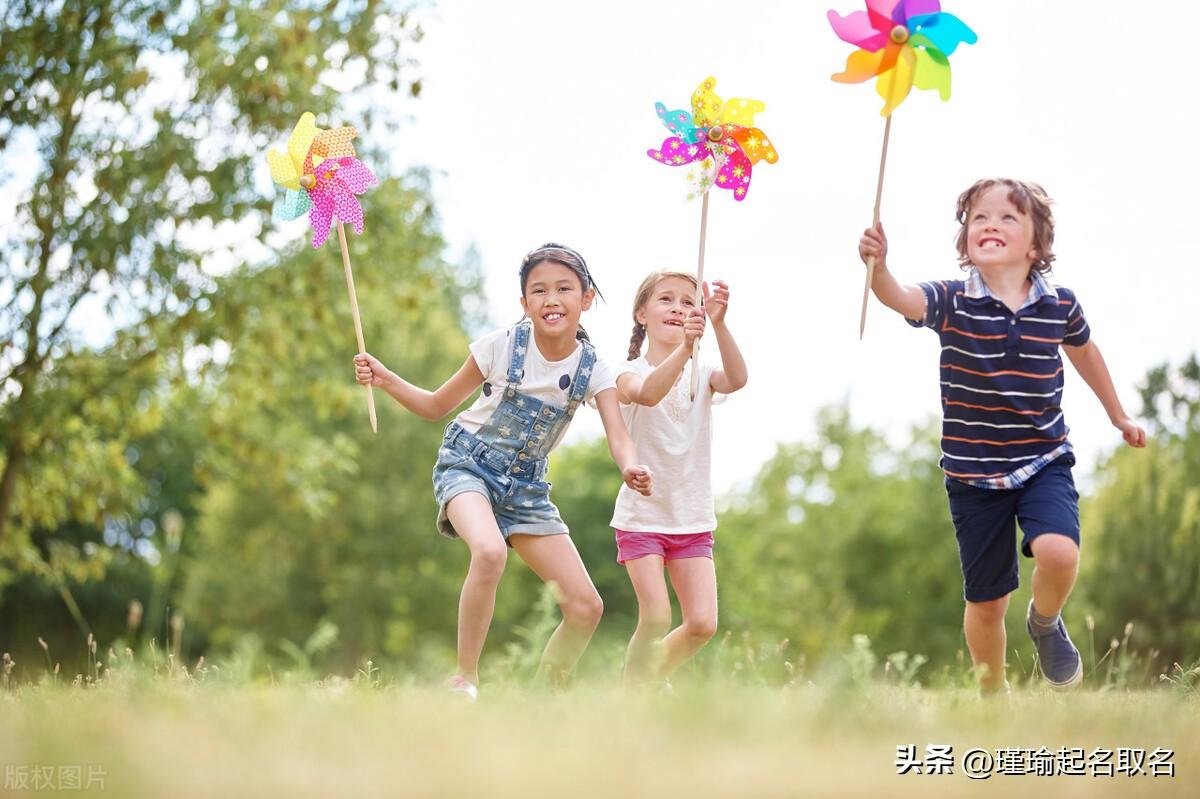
(427, 404)
(650, 390)
(732, 374)
(1088, 361)
(903, 298)
(624, 453)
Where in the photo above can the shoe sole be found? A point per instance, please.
(1074, 680)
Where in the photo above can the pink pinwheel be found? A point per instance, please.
(321, 175)
(720, 134)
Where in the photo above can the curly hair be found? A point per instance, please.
(1030, 199)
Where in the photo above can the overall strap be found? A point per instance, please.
(516, 365)
(583, 376)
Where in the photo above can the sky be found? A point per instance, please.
(536, 117)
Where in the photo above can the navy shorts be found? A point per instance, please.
(985, 522)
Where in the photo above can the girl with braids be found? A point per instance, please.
(489, 479)
(672, 528)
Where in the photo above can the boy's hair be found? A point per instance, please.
(560, 254)
(1030, 199)
(642, 297)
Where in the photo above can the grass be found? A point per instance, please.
(186, 737)
(748, 721)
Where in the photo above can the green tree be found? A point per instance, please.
(306, 517)
(1142, 525)
(145, 120)
(844, 535)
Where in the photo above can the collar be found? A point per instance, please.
(975, 287)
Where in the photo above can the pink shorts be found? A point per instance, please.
(631, 546)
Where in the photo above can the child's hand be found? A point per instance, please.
(368, 370)
(716, 303)
(1132, 432)
(874, 244)
(638, 478)
(693, 326)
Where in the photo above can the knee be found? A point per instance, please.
(990, 612)
(583, 611)
(700, 628)
(1055, 553)
(654, 623)
(488, 562)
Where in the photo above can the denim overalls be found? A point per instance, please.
(505, 460)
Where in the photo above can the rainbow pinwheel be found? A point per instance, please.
(721, 135)
(905, 43)
(321, 175)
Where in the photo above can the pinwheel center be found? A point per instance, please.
(899, 34)
(716, 133)
(308, 181)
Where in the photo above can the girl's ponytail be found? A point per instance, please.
(635, 341)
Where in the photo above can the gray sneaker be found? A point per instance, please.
(1060, 661)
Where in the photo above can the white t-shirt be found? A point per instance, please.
(673, 438)
(548, 381)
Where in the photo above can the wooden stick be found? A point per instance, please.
(357, 321)
(699, 296)
(862, 320)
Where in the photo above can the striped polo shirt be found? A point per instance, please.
(1001, 377)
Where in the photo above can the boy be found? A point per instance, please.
(1004, 440)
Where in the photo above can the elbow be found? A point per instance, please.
(737, 385)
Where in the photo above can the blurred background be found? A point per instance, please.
(185, 461)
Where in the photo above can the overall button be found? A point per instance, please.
(523, 456)
(1013, 322)
(516, 470)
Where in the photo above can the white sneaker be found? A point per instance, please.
(461, 685)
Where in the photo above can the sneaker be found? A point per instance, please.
(1060, 661)
(461, 685)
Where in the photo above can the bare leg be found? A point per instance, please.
(695, 583)
(473, 520)
(983, 623)
(654, 618)
(555, 559)
(1057, 559)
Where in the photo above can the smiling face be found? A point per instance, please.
(999, 234)
(554, 299)
(665, 308)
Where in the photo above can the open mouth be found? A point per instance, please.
(553, 316)
(673, 323)
(990, 244)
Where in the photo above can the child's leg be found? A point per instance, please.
(1057, 563)
(695, 583)
(983, 624)
(654, 617)
(473, 520)
(555, 559)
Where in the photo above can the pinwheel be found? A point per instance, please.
(721, 136)
(320, 174)
(903, 43)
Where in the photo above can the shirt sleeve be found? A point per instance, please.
(937, 301)
(489, 350)
(1078, 331)
(602, 378)
(715, 398)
